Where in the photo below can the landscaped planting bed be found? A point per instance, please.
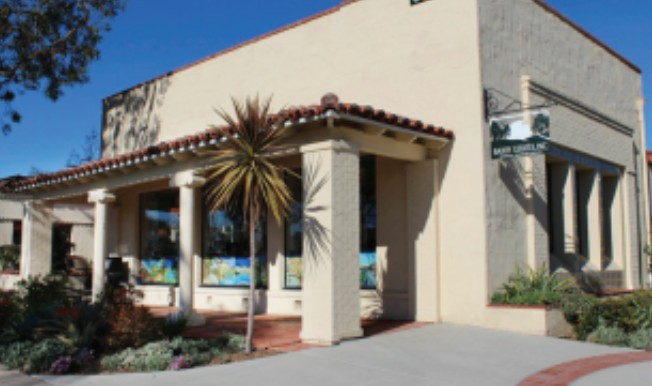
(41, 331)
(620, 320)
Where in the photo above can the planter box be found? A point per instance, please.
(533, 320)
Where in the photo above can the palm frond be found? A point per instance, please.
(242, 170)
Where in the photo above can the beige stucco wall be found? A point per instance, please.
(520, 38)
(11, 210)
(79, 216)
(420, 61)
(396, 275)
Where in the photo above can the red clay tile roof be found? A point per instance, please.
(649, 157)
(7, 183)
(329, 105)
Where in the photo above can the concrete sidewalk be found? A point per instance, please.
(440, 354)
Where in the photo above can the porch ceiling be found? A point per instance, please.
(183, 151)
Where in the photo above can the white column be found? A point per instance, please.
(590, 225)
(275, 255)
(422, 192)
(331, 242)
(614, 209)
(570, 220)
(189, 234)
(101, 198)
(36, 244)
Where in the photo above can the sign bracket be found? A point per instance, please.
(498, 103)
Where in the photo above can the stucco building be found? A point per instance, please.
(70, 233)
(404, 213)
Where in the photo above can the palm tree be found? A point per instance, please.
(245, 178)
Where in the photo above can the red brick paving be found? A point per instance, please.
(566, 373)
(277, 332)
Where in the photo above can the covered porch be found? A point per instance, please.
(361, 240)
(275, 332)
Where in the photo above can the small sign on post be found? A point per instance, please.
(513, 135)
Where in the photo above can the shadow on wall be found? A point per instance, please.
(131, 119)
(316, 235)
(513, 175)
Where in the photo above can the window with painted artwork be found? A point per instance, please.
(159, 262)
(226, 261)
(294, 233)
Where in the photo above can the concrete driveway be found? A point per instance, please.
(441, 354)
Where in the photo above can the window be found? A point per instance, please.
(368, 276)
(294, 234)
(61, 245)
(159, 238)
(583, 188)
(608, 190)
(17, 237)
(294, 231)
(226, 251)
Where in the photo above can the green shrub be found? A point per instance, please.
(83, 325)
(9, 257)
(641, 339)
(174, 325)
(14, 355)
(630, 312)
(608, 335)
(37, 293)
(158, 356)
(33, 357)
(132, 326)
(533, 287)
(31, 307)
(8, 311)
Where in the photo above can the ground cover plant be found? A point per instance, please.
(533, 287)
(174, 354)
(44, 331)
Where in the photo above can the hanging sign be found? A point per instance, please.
(520, 134)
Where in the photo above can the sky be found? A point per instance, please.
(153, 37)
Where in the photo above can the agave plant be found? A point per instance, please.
(244, 177)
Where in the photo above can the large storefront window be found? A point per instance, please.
(160, 238)
(226, 251)
(17, 236)
(61, 245)
(294, 232)
(368, 276)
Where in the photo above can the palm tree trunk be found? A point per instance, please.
(252, 280)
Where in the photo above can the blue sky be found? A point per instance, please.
(153, 37)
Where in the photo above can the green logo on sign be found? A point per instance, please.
(512, 136)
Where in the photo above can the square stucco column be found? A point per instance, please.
(569, 209)
(562, 208)
(422, 191)
(613, 238)
(36, 244)
(589, 222)
(101, 198)
(331, 242)
(189, 237)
